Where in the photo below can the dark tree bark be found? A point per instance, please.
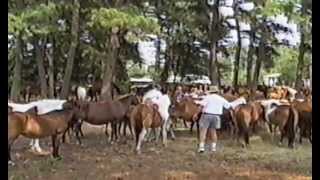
(50, 56)
(110, 64)
(39, 52)
(250, 64)
(300, 65)
(72, 49)
(16, 85)
(259, 60)
(213, 70)
(237, 56)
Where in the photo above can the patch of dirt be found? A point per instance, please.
(96, 159)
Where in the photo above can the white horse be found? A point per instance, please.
(81, 93)
(163, 102)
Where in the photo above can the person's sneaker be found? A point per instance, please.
(213, 147)
(201, 150)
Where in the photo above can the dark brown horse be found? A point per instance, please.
(33, 126)
(305, 118)
(103, 113)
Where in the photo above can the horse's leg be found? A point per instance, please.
(157, 132)
(106, 131)
(191, 127)
(140, 139)
(185, 125)
(54, 145)
(125, 124)
(37, 146)
(80, 128)
(170, 128)
(77, 131)
(130, 129)
(58, 142)
(198, 131)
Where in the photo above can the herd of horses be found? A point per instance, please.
(274, 107)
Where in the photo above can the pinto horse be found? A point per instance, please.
(286, 118)
(103, 113)
(145, 116)
(34, 126)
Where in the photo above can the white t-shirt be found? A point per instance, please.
(214, 104)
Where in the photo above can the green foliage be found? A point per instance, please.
(105, 19)
(286, 64)
(39, 20)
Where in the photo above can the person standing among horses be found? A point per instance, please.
(210, 121)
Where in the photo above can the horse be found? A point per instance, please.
(286, 117)
(103, 113)
(187, 110)
(53, 124)
(304, 109)
(94, 90)
(79, 92)
(152, 113)
(247, 116)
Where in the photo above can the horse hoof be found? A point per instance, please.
(138, 152)
(11, 163)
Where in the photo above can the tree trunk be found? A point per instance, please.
(72, 49)
(165, 72)
(40, 63)
(50, 56)
(249, 64)
(237, 56)
(16, 85)
(110, 64)
(16, 81)
(212, 65)
(298, 82)
(259, 60)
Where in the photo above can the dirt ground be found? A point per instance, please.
(97, 160)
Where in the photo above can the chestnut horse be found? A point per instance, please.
(33, 126)
(247, 116)
(103, 113)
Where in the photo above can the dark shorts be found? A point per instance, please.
(210, 121)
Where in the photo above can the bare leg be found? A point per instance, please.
(203, 134)
(164, 133)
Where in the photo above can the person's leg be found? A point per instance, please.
(213, 132)
(203, 123)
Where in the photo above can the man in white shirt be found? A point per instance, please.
(213, 105)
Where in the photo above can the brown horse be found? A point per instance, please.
(305, 118)
(247, 116)
(187, 110)
(144, 117)
(33, 126)
(103, 113)
(286, 118)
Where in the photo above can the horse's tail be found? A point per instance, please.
(292, 125)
